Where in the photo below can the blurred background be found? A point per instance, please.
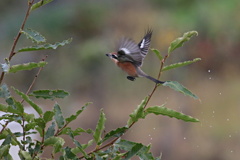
(83, 70)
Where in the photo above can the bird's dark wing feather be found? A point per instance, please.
(144, 44)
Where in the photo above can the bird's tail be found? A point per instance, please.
(154, 80)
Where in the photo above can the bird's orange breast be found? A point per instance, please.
(128, 67)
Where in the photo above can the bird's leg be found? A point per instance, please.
(130, 78)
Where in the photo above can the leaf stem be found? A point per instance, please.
(149, 97)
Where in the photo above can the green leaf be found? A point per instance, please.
(4, 150)
(56, 142)
(50, 131)
(30, 126)
(26, 66)
(3, 108)
(4, 92)
(79, 146)
(39, 4)
(180, 41)
(41, 123)
(29, 101)
(48, 116)
(115, 133)
(25, 155)
(134, 150)
(160, 110)
(158, 54)
(90, 142)
(35, 36)
(180, 88)
(180, 64)
(58, 116)
(99, 128)
(138, 113)
(73, 117)
(69, 154)
(49, 94)
(45, 46)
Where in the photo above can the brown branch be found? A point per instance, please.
(149, 97)
(35, 78)
(12, 52)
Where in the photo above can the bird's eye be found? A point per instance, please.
(114, 56)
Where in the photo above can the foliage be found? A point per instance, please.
(51, 125)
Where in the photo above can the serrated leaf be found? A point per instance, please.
(4, 92)
(30, 126)
(180, 41)
(26, 66)
(49, 94)
(48, 116)
(160, 110)
(40, 123)
(73, 117)
(180, 64)
(50, 131)
(25, 155)
(4, 150)
(99, 128)
(40, 4)
(158, 54)
(29, 101)
(115, 133)
(180, 88)
(90, 142)
(79, 146)
(35, 36)
(69, 154)
(58, 116)
(56, 142)
(137, 113)
(134, 150)
(45, 46)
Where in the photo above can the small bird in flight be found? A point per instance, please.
(129, 57)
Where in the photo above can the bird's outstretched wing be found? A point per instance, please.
(128, 50)
(134, 52)
(144, 44)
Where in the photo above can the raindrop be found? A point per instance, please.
(220, 93)
(227, 119)
(154, 128)
(210, 77)
(213, 112)
(230, 136)
(184, 138)
(209, 71)
(231, 151)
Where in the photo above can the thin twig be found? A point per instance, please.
(35, 78)
(149, 97)
(12, 52)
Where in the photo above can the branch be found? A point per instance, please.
(12, 53)
(150, 96)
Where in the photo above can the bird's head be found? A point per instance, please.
(113, 56)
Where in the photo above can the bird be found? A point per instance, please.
(130, 55)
